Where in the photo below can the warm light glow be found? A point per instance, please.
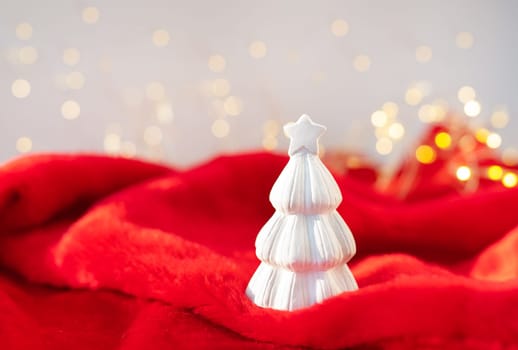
(472, 108)
(90, 15)
(24, 31)
(160, 38)
(24, 144)
(112, 143)
(495, 172)
(270, 143)
(430, 113)
(384, 146)
(21, 88)
(423, 54)
(467, 143)
(493, 140)
(499, 119)
(155, 91)
(443, 140)
(71, 56)
(153, 135)
(466, 94)
(510, 180)
(413, 96)
(233, 105)
(217, 63)
(463, 173)
(70, 109)
(220, 128)
(362, 63)
(391, 109)
(28, 55)
(464, 40)
(75, 80)
(481, 135)
(379, 119)
(257, 49)
(425, 154)
(339, 27)
(396, 131)
(271, 127)
(220, 87)
(164, 112)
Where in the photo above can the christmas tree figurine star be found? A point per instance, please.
(304, 134)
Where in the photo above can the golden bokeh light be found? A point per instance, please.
(153, 135)
(220, 128)
(510, 180)
(21, 88)
(396, 131)
(339, 27)
(24, 144)
(70, 110)
(379, 118)
(257, 49)
(90, 15)
(220, 87)
(28, 55)
(466, 94)
(464, 40)
(463, 173)
(75, 80)
(160, 38)
(425, 154)
(233, 106)
(443, 140)
(155, 91)
(24, 31)
(112, 143)
(71, 56)
(391, 109)
(423, 54)
(493, 140)
(495, 172)
(362, 63)
(384, 146)
(472, 108)
(499, 119)
(164, 112)
(413, 96)
(271, 127)
(217, 63)
(270, 143)
(481, 135)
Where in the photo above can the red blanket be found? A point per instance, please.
(104, 253)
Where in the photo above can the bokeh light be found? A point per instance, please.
(220, 128)
(425, 154)
(339, 27)
(423, 54)
(466, 94)
(443, 140)
(217, 63)
(510, 180)
(24, 31)
(257, 49)
(495, 172)
(464, 40)
(70, 110)
(24, 144)
(90, 15)
(160, 38)
(463, 173)
(362, 63)
(472, 108)
(384, 146)
(21, 88)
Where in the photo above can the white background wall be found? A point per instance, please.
(306, 69)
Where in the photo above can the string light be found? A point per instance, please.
(472, 108)
(217, 63)
(495, 172)
(70, 110)
(384, 146)
(443, 140)
(499, 119)
(466, 94)
(463, 173)
(425, 154)
(493, 140)
(90, 15)
(24, 144)
(379, 118)
(28, 55)
(510, 180)
(339, 27)
(257, 49)
(153, 135)
(220, 128)
(71, 56)
(362, 63)
(233, 106)
(413, 96)
(423, 54)
(160, 38)
(24, 31)
(21, 88)
(464, 40)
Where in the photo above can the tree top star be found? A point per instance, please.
(304, 134)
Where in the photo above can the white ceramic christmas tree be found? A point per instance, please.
(304, 248)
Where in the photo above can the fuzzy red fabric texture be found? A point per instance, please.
(107, 253)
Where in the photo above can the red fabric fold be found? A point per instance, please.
(136, 255)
